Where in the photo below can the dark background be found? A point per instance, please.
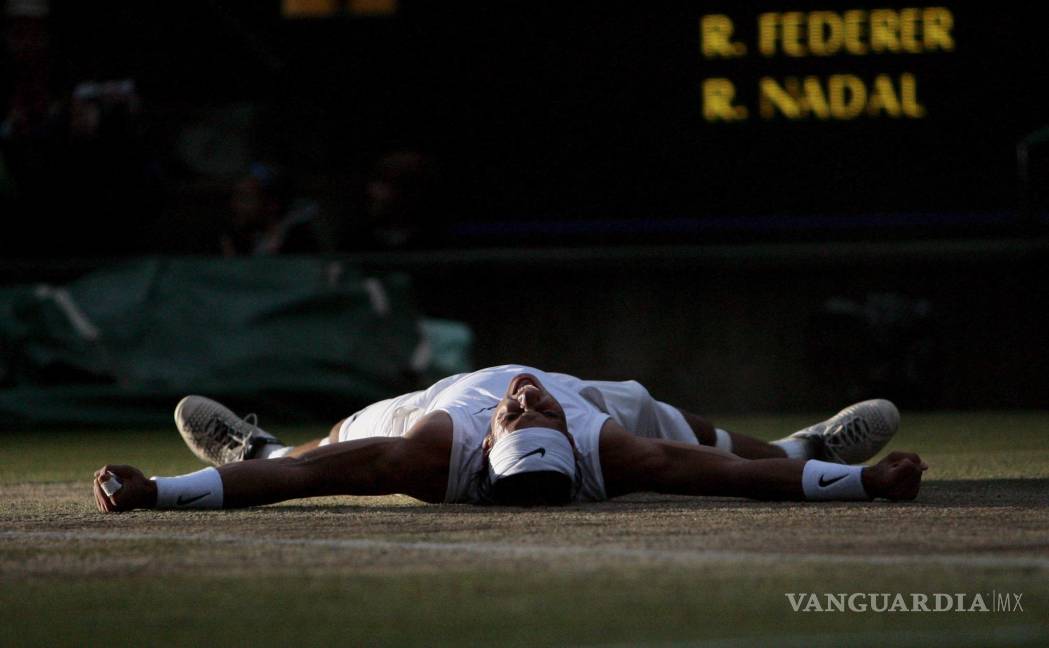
(710, 261)
(543, 115)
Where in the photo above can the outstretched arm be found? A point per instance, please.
(415, 465)
(633, 464)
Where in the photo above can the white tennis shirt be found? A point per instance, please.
(470, 400)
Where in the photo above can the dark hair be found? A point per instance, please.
(536, 488)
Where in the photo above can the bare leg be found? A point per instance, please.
(333, 437)
(302, 449)
(742, 445)
(373, 466)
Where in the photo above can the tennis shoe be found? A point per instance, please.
(218, 436)
(855, 434)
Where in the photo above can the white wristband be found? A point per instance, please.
(198, 490)
(821, 480)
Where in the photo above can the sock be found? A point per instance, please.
(722, 441)
(796, 448)
(273, 451)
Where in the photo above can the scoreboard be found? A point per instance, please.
(771, 113)
(819, 34)
(865, 112)
(669, 114)
(894, 111)
(574, 121)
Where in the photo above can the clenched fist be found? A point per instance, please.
(135, 491)
(896, 477)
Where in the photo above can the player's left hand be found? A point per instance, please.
(896, 477)
(135, 491)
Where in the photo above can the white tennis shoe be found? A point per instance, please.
(855, 434)
(216, 435)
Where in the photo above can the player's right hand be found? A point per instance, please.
(135, 491)
(896, 477)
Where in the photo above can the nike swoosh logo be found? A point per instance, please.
(182, 501)
(539, 451)
(824, 484)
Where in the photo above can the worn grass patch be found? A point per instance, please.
(627, 606)
(643, 570)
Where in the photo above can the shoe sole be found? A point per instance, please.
(182, 424)
(883, 420)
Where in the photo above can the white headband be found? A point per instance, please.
(529, 450)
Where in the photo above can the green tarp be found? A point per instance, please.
(296, 337)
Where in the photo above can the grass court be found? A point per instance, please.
(646, 570)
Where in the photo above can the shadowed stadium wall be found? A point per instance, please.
(588, 117)
(941, 324)
(945, 324)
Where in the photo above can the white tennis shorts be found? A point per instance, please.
(630, 405)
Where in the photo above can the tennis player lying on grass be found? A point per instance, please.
(516, 435)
